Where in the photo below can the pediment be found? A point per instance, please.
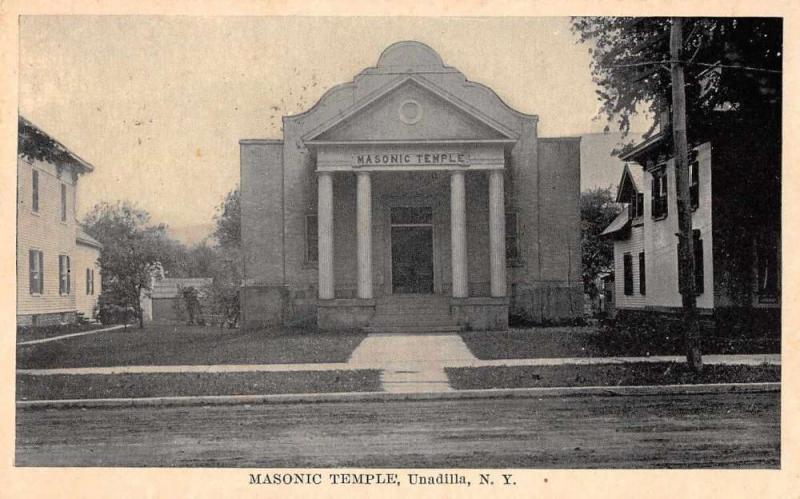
(410, 109)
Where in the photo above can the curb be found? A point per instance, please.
(496, 393)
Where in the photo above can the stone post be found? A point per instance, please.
(364, 234)
(497, 234)
(458, 234)
(325, 235)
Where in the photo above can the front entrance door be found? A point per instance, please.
(412, 250)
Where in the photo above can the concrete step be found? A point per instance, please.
(413, 313)
(452, 328)
(407, 324)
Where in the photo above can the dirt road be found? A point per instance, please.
(731, 430)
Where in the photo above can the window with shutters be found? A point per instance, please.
(642, 282)
(63, 202)
(63, 274)
(35, 266)
(35, 191)
(627, 263)
(660, 198)
(697, 244)
(312, 238)
(636, 206)
(512, 239)
(694, 184)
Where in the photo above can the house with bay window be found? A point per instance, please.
(58, 274)
(736, 219)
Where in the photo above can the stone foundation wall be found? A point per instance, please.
(346, 313)
(547, 305)
(480, 314)
(52, 319)
(263, 306)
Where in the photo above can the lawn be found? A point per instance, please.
(191, 345)
(551, 342)
(91, 386)
(543, 342)
(639, 373)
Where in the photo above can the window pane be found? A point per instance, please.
(627, 261)
(33, 262)
(35, 189)
(63, 203)
(642, 278)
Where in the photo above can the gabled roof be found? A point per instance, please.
(419, 80)
(632, 182)
(619, 224)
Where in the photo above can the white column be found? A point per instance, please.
(458, 234)
(325, 234)
(364, 230)
(497, 234)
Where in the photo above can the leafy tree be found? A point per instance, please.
(598, 210)
(223, 294)
(630, 65)
(228, 218)
(131, 250)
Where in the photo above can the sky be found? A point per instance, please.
(158, 104)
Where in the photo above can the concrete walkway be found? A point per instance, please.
(749, 360)
(411, 363)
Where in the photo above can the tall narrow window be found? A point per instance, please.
(694, 185)
(659, 201)
(512, 238)
(639, 204)
(63, 274)
(642, 281)
(63, 202)
(35, 265)
(627, 262)
(35, 190)
(89, 281)
(312, 238)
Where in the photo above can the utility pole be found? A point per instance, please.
(686, 247)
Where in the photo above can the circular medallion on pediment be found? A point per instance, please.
(410, 112)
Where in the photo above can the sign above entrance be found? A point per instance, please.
(411, 159)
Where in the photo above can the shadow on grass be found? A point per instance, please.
(192, 345)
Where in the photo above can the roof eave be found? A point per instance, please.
(642, 148)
